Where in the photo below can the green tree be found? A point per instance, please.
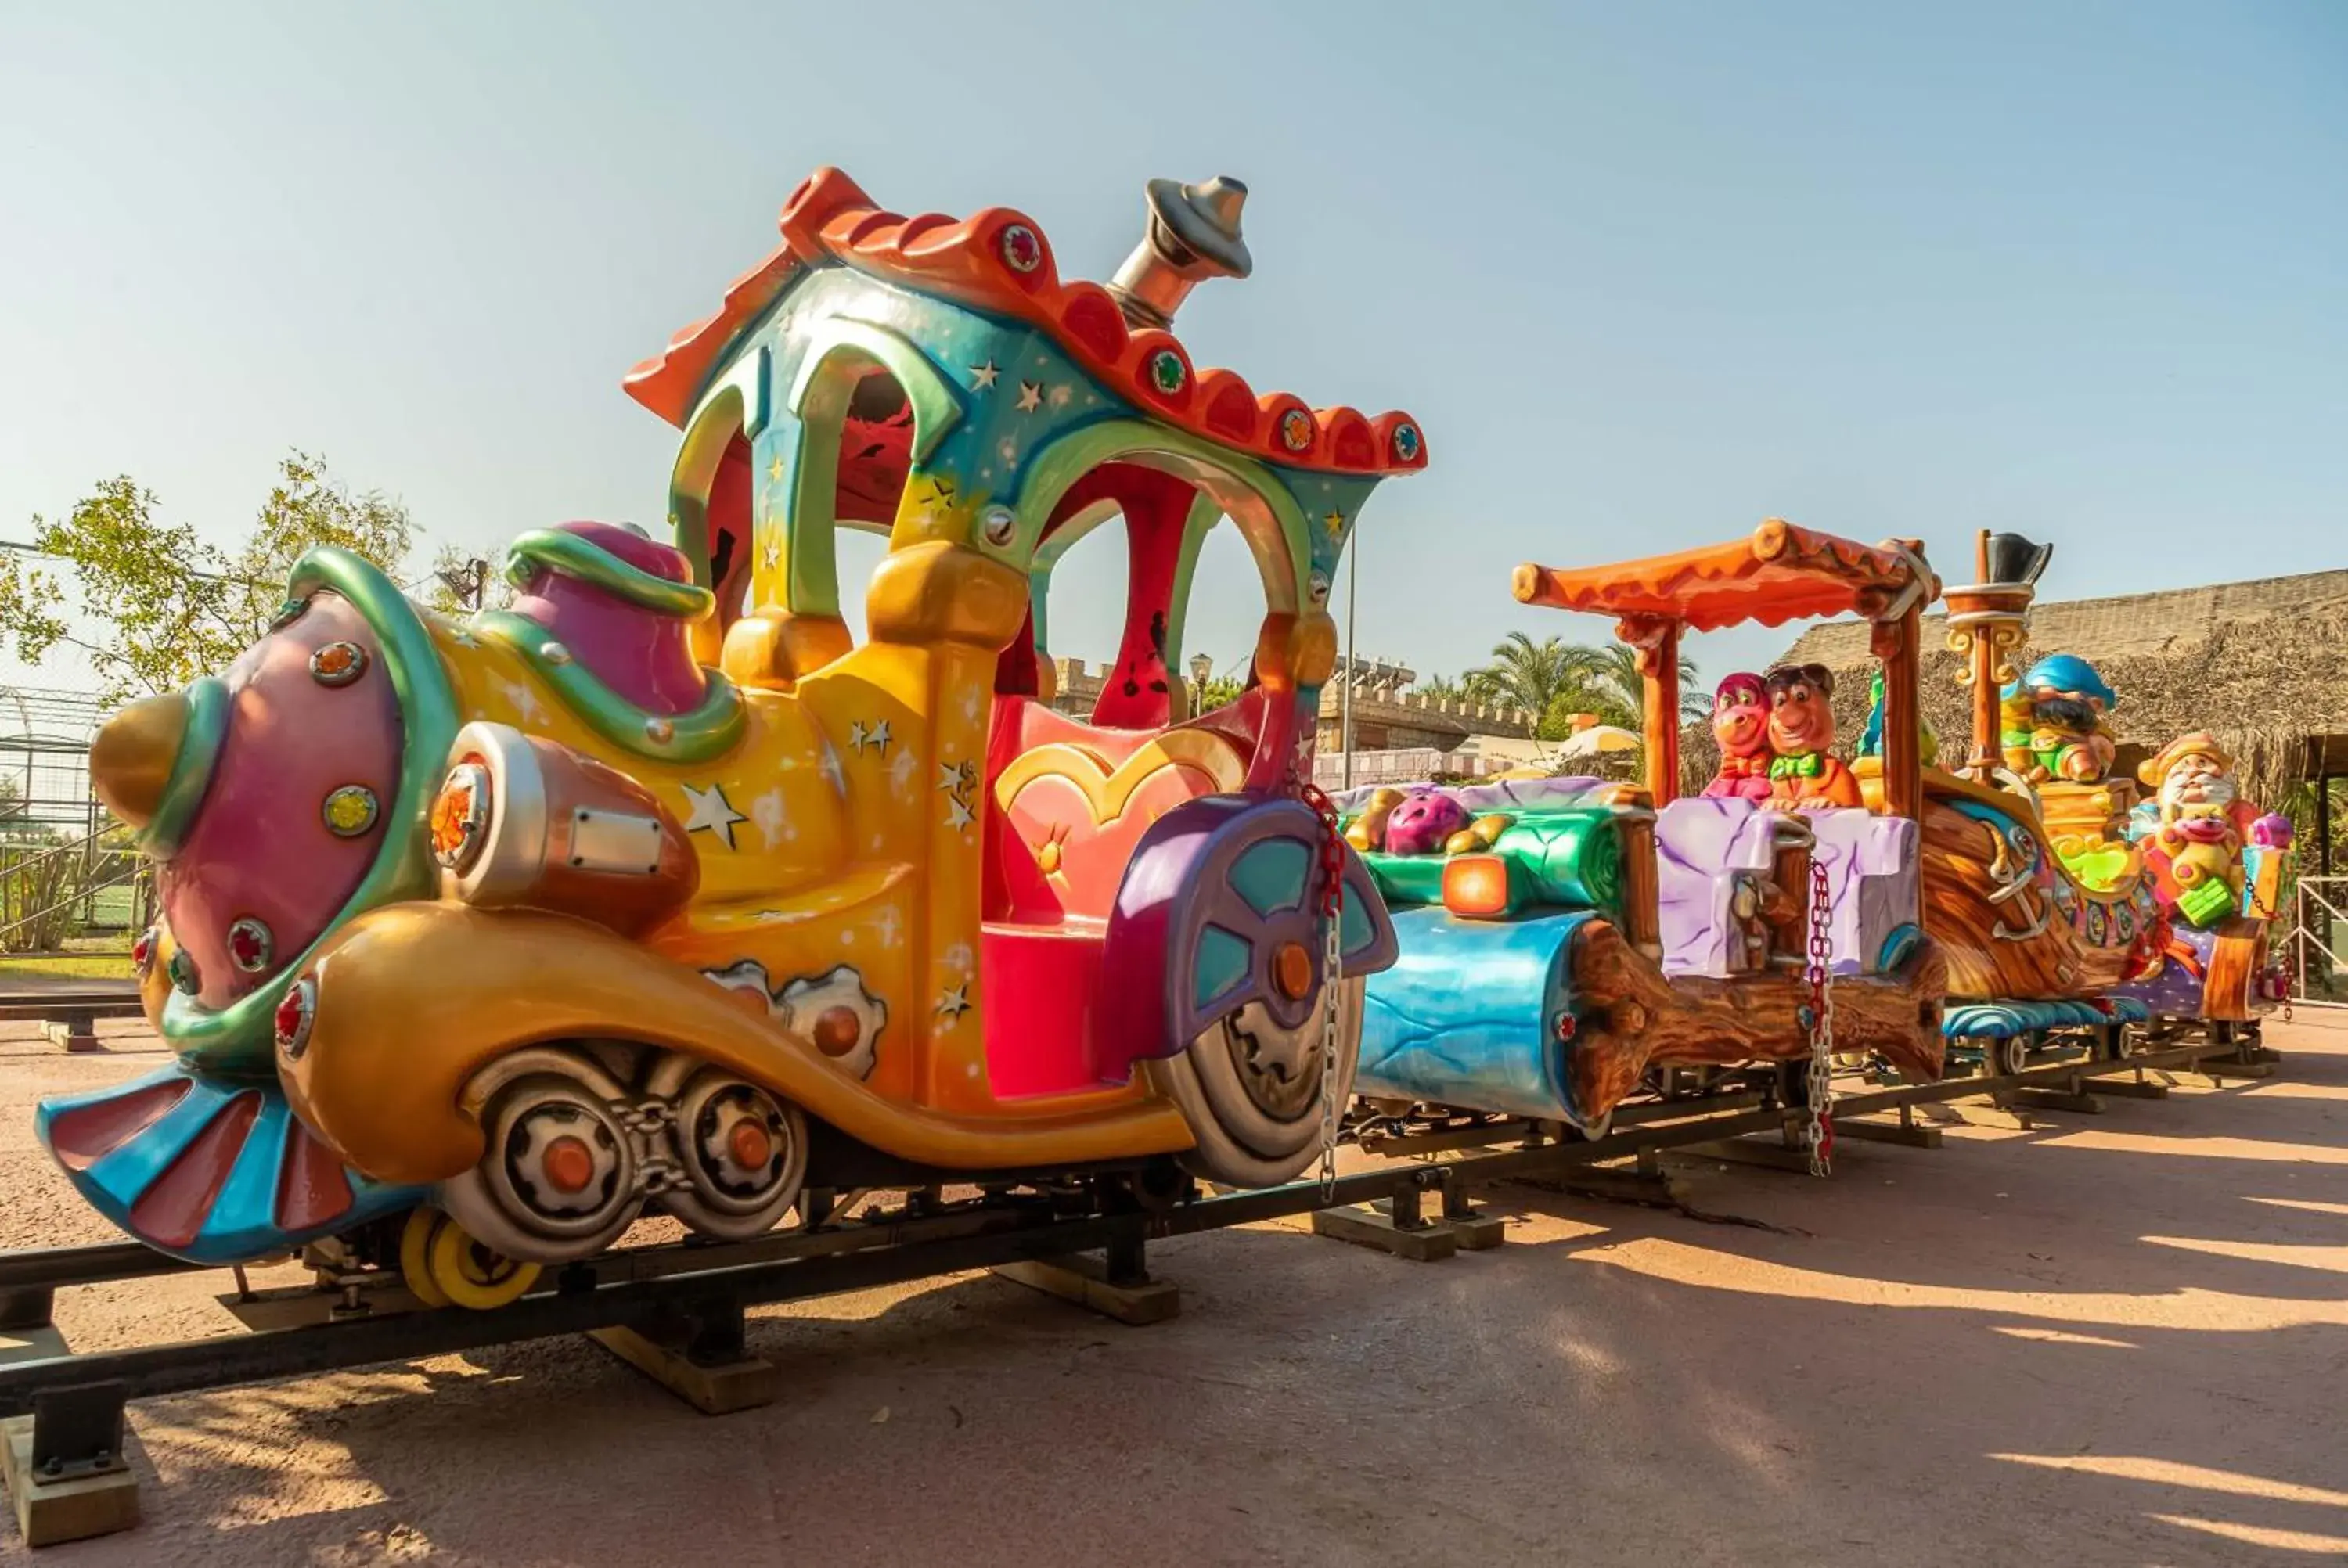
(1523, 674)
(1609, 675)
(165, 606)
(1220, 692)
(1441, 688)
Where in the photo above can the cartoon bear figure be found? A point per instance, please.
(1806, 774)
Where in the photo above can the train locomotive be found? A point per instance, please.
(655, 891)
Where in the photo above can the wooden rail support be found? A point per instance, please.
(1478, 1230)
(2037, 1099)
(1747, 1151)
(2131, 1088)
(1394, 1225)
(2217, 1069)
(63, 1464)
(1116, 1284)
(698, 1354)
(1906, 1131)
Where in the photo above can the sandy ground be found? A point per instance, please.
(2115, 1340)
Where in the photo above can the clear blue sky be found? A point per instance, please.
(1646, 274)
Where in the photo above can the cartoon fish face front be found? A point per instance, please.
(278, 795)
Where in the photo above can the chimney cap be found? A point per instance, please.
(1205, 217)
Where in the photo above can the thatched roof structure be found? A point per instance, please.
(2261, 665)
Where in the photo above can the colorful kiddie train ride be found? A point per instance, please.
(655, 892)
(1564, 941)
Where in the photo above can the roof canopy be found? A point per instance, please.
(998, 260)
(1781, 573)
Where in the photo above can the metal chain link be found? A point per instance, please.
(1821, 1011)
(1332, 969)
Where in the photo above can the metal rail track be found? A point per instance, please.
(79, 1398)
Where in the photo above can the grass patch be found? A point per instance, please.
(66, 967)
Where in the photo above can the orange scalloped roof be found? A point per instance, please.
(998, 260)
(1780, 573)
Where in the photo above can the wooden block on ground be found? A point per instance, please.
(2058, 1100)
(1363, 1226)
(1083, 1278)
(1976, 1114)
(69, 1508)
(1476, 1231)
(71, 1036)
(2221, 1067)
(2130, 1089)
(1769, 1153)
(714, 1391)
(1901, 1133)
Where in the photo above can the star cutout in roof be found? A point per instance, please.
(982, 376)
(1031, 397)
(954, 1002)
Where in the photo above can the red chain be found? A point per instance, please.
(1332, 844)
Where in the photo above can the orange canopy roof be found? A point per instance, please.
(1781, 573)
(998, 260)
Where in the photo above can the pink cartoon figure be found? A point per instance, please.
(1740, 722)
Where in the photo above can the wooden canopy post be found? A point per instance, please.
(1986, 622)
(1656, 641)
(1903, 739)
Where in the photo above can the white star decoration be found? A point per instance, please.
(767, 815)
(861, 735)
(774, 552)
(982, 376)
(901, 773)
(957, 958)
(522, 699)
(950, 777)
(955, 1001)
(1059, 395)
(1031, 397)
(711, 813)
(958, 814)
(884, 926)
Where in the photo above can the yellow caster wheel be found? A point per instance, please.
(415, 1253)
(444, 1266)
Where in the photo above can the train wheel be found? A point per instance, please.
(2003, 1058)
(561, 1174)
(2118, 1041)
(470, 1274)
(415, 1254)
(1252, 1091)
(745, 1154)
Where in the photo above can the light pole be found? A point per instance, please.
(1201, 668)
(1345, 697)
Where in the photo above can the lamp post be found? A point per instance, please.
(1345, 697)
(1201, 668)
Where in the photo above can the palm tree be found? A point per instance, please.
(1542, 675)
(1612, 672)
(1523, 674)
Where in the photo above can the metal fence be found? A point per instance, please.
(2312, 949)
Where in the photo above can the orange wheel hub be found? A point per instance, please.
(1291, 971)
(570, 1164)
(749, 1145)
